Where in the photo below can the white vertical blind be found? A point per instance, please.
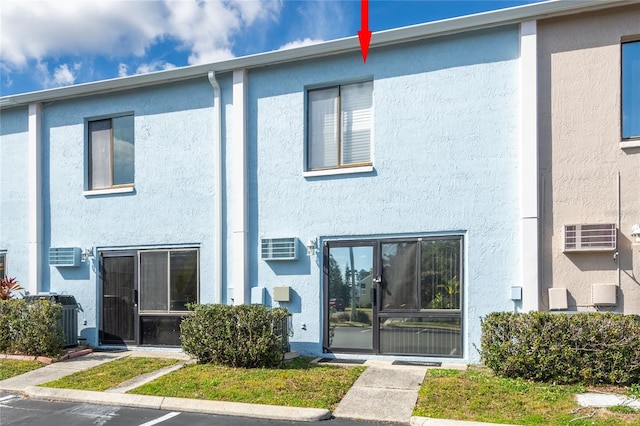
(356, 123)
(100, 152)
(323, 128)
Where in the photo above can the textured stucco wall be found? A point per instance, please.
(445, 149)
(580, 154)
(14, 204)
(173, 199)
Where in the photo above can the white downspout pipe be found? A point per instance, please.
(217, 211)
(34, 152)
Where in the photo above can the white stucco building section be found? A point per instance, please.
(237, 207)
(529, 165)
(35, 197)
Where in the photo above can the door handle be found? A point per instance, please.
(134, 296)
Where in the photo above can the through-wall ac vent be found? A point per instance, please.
(278, 249)
(64, 256)
(600, 237)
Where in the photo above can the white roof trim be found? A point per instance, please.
(382, 38)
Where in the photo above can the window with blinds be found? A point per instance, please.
(339, 126)
(111, 152)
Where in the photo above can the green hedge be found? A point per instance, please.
(564, 348)
(237, 336)
(30, 328)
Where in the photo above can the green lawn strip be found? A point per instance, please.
(297, 384)
(478, 395)
(111, 374)
(13, 367)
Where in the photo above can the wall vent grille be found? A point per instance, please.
(64, 256)
(599, 237)
(278, 249)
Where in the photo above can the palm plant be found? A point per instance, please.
(7, 287)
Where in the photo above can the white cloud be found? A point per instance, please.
(322, 20)
(154, 66)
(300, 43)
(123, 70)
(63, 76)
(35, 30)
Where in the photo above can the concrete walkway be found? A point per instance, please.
(384, 392)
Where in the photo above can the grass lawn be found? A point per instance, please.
(111, 374)
(478, 395)
(13, 367)
(298, 384)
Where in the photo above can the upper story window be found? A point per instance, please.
(631, 90)
(111, 152)
(339, 126)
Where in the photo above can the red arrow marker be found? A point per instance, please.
(364, 34)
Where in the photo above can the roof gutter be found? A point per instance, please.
(345, 45)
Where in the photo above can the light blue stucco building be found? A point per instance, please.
(388, 205)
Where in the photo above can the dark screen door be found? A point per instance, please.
(119, 299)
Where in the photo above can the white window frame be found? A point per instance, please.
(93, 188)
(340, 166)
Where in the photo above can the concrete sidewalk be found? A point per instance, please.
(384, 392)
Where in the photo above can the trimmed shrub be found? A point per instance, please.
(588, 348)
(237, 336)
(30, 328)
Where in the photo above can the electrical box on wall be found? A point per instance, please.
(603, 294)
(558, 299)
(257, 295)
(281, 294)
(516, 293)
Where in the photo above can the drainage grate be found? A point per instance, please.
(420, 363)
(342, 361)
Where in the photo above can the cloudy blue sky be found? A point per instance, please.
(52, 43)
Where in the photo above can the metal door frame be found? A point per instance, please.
(136, 309)
(375, 329)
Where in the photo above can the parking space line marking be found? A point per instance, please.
(161, 419)
(8, 397)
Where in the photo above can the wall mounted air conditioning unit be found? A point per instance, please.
(604, 294)
(278, 249)
(599, 237)
(64, 256)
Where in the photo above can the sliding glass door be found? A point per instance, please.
(394, 296)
